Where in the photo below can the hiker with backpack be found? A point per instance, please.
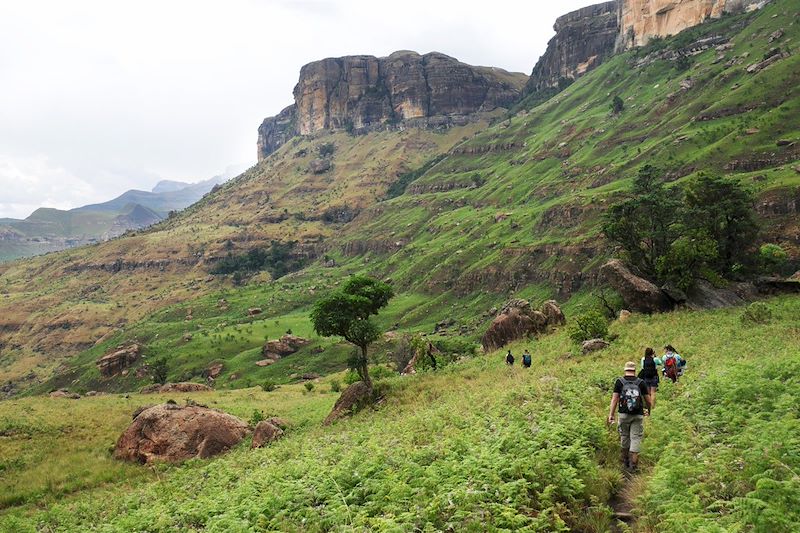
(649, 374)
(673, 363)
(630, 397)
(509, 359)
(527, 359)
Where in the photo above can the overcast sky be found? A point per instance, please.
(97, 97)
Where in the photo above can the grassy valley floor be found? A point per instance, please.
(475, 447)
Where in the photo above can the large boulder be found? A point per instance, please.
(286, 345)
(518, 320)
(351, 399)
(639, 295)
(64, 393)
(553, 313)
(115, 362)
(172, 433)
(506, 328)
(266, 431)
(185, 386)
(594, 345)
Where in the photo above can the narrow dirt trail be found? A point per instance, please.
(622, 506)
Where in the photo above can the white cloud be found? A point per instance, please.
(24, 179)
(122, 94)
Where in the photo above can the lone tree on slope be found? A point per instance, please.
(346, 313)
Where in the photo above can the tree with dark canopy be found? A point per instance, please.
(346, 313)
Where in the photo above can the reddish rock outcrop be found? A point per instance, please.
(361, 93)
(115, 362)
(175, 387)
(286, 345)
(642, 20)
(638, 294)
(266, 432)
(518, 320)
(172, 433)
(352, 398)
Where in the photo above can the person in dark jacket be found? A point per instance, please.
(527, 359)
(649, 373)
(509, 359)
(631, 397)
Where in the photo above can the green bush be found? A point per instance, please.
(351, 377)
(617, 105)
(757, 313)
(256, 417)
(269, 386)
(309, 385)
(160, 371)
(591, 325)
(335, 385)
(773, 258)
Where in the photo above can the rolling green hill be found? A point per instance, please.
(476, 447)
(459, 220)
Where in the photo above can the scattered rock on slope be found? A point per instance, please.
(266, 431)
(173, 433)
(185, 386)
(286, 345)
(518, 320)
(115, 362)
(594, 345)
(353, 396)
(638, 294)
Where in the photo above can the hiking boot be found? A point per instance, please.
(633, 463)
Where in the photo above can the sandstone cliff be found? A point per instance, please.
(642, 20)
(583, 40)
(359, 93)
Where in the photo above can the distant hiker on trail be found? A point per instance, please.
(631, 396)
(673, 363)
(526, 359)
(649, 374)
(509, 359)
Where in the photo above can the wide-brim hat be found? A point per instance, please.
(630, 366)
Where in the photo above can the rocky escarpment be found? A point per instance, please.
(587, 37)
(360, 93)
(583, 40)
(642, 20)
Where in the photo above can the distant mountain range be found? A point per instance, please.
(48, 229)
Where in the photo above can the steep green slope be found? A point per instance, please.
(475, 447)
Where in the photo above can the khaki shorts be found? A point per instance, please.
(631, 431)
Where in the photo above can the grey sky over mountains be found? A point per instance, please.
(97, 97)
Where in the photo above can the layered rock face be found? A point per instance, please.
(642, 20)
(584, 39)
(363, 92)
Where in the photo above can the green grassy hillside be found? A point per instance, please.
(476, 447)
(482, 214)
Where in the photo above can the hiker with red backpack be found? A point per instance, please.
(673, 363)
(631, 398)
(649, 373)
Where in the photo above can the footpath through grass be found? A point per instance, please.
(481, 447)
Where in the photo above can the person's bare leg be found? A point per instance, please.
(624, 457)
(634, 461)
(652, 397)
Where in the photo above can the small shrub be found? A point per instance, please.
(351, 377)
(592, 325)
(381, 372)
(326, 149)
(309, 385)
(772, 258)
(256, 417)
(617, 105)
(757, 313)
(160, 371)
(269, 386)
(335, 386)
